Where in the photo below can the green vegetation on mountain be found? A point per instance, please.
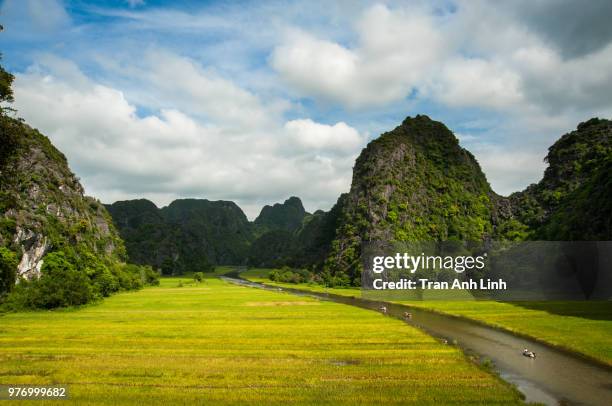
(302, 246)
(8, 267)
(286, 216)
(187, 235)
(414, 183)
(6, 90)
(221, 228)
(273, 248)
(573, 201)
(192, 235)
(276, 230)
(59, 245)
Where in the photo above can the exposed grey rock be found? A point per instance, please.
(34, 247)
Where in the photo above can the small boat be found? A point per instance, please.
(529, 354)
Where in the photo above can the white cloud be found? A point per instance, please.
(509, 170)
(476, 57)
(395, 52)
(477, 83)
(314, 136)
(320, 68)
(202, 109)
(120, 154)
(181, 82)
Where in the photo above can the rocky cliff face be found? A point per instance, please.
(414, 183)
(573, 201)
(42, 205)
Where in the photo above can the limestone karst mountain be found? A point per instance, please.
(416, 183)
(42, 205)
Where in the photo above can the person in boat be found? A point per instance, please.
(528, 353)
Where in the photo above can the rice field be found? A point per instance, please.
(584, 327)
(217, 343)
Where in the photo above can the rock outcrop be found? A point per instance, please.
(42, 205)
(414, 183)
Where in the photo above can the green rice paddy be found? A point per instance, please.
(583, 327)
(217, 343)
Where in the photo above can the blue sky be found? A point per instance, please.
(258, 101)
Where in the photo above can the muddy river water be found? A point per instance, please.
(553, 377)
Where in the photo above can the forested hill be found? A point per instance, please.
(414, 183)
(59, 245)
(286, 216)
(188, 234)
(573, 201)
(196, 234)
(42, 206)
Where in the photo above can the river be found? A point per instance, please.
(554, 377)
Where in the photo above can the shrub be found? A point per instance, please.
(129, 276)
(105, 282)
(287, 275)
(8, 270)
(69, 278)
(151, 277)
(60, 285)
(7, 226)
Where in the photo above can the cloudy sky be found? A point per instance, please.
(258, 101)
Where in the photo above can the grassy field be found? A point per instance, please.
(218, 343)
(583, 327)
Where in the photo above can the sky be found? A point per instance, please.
(258, 101)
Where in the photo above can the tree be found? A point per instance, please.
(6, 80)
(8, 134)
(8, 270)
(60, 285)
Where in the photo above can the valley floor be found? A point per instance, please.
(579, 326)
(217, 343)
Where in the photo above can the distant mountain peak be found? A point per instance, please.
(294, 201)
(286, 216)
